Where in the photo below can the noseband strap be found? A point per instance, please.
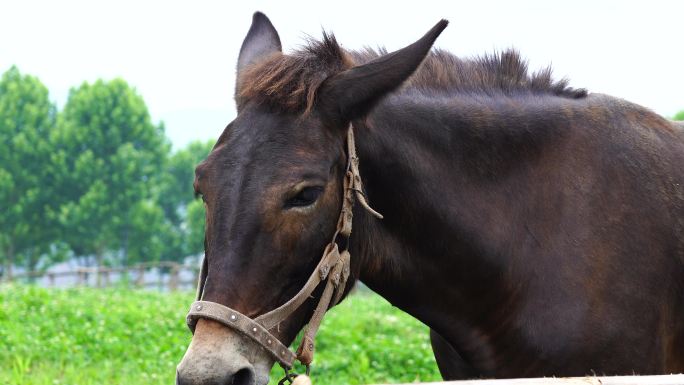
(333, 268)
(243, 324)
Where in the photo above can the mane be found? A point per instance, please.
(290, 81)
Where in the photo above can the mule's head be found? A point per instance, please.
(272, 187)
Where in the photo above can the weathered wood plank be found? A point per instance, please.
(672, 379)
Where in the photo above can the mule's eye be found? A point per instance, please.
(306, 197)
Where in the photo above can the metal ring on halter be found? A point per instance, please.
(289, 377)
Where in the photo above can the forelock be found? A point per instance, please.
(289, 82)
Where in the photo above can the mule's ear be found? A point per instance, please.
(261, 41)
(352, 93)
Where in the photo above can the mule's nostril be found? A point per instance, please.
(243, 376)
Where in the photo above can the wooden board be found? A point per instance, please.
(672, 379)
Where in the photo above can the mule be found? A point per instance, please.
(536, 229)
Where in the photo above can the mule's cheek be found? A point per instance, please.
(218, 354)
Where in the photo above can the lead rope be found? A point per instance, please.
(337, 278)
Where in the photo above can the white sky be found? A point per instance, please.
(181, 55)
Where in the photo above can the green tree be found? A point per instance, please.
(107, 152)
(179, 204)
(679, 115)
(26, 120)
(195, 227)
(149, 233)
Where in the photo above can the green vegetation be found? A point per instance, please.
(120, 336)
(679, 115)
(96, 181)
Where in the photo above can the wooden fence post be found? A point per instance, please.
(105, 278)
(141, 276)
(174, 277)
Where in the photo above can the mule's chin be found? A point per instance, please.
(262, 369)
(219, 355)
(262, 376)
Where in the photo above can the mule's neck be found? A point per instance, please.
(449, 177)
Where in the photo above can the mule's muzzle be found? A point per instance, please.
(219, 356)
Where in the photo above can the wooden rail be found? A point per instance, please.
(168, 275)
(672, 379)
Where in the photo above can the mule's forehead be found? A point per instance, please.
(276, 144)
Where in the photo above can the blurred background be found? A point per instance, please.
(106, 107)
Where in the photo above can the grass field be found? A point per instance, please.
(122, 336)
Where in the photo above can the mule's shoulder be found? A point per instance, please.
(679, 129)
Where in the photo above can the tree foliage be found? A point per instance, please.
(107, 152)
(679, 115)
(96, 181)
(27, 119)
(178, 201)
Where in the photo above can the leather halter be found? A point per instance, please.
(333, 269)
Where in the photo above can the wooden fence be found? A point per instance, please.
(672, 379)
(162, 275)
